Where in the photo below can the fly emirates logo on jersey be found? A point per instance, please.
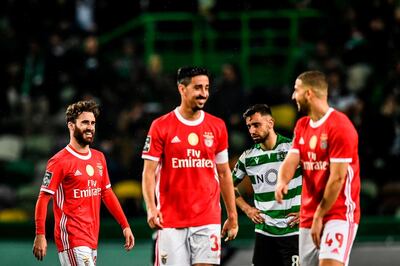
(91, 191)
(193, 160)
(312, 163)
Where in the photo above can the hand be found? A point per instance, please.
(254, 215)
(280, 190)
(295, 219)
(129, 238)
(316, 231)
(230, 228)
(39, 247)
(154, 218)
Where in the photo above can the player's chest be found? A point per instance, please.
(314, 144)
(191, 141)
(85, 173)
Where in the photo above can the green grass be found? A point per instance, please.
(16, 253)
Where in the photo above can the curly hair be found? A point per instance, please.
(75, 109)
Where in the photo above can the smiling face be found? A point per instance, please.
(195, 94)
(84, 128)
(299, 95)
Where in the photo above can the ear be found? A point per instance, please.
(70, 125)
(181, 88)
(272, 122)
(309, 93)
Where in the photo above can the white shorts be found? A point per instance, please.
(188, 246)
(336, 243)
(78, 256)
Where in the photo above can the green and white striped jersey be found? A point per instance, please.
(262, 166)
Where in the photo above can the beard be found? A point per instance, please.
(79, 135)
(303, 107)
(198, 106)
(260, 139)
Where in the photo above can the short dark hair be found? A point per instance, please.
(261, 108)
(185, 74)
(315, 79)
(75, 109)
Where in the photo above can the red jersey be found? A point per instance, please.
(187, 185)
(76, 182)
(333, 138)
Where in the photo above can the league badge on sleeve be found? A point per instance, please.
(46, 178)
(147, 143)
(280, 156)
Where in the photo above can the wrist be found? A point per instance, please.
(318, 214)
(232, 216)
(151, 207)
(246, 209)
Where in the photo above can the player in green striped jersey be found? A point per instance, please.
(276, 225)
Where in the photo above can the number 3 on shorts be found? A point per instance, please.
(214, 243)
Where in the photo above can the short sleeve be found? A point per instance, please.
(106, 178)
(343, 142)
(53, 176)
(296, 138)
(239, 171)
(153, 146)
(222, 143)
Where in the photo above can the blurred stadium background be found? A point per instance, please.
(124, 54)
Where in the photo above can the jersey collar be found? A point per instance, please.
(189, 122)
(78, 155)
(322, 120)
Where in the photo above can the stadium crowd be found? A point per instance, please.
(51, 56)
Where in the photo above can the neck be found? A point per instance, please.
(270, 142)
(79, 148)
(188, 113)
(318, 110)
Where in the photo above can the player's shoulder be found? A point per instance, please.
(164, 119)
(213, 118)
(251, 150)
(338, 119)
(60, 156)
(303, 121)
(338, 115)
(283, 139)
(248, 151)
(96, 153)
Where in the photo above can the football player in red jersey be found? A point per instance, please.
(326, 145)
(77, 180)
(185, 169)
